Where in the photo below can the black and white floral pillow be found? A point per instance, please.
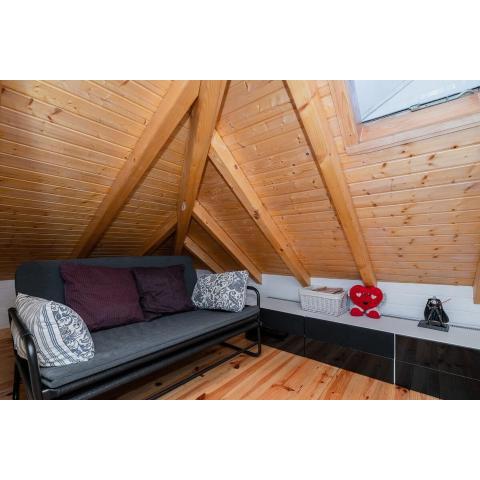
(221, 291)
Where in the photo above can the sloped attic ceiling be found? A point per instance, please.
(261, 128)
(63, 143)
(61, 146)
(419, 207)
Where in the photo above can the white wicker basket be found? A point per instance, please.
(322, 302)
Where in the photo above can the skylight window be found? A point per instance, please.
(379, 98)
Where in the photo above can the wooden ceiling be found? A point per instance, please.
(97, 167)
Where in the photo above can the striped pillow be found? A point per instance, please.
(61, 336)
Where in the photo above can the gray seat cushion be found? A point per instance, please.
(120, 345)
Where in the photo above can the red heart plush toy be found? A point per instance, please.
(366, 300)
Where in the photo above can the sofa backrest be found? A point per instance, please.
(42, 278)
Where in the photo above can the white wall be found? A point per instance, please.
(7, 300)
(401, 299)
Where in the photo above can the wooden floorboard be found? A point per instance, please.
(275, 375)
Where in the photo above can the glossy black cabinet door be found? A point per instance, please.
(438, 369)
(363, 339)
(439, 356)
(284, 341)
(370, 365)
(283, 322)
(436, 383)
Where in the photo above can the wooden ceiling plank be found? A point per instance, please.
(210, 224)
(171, 111)
(312, 115)
(203, 121)
(225, 163)
(159, 236)
(202, 255)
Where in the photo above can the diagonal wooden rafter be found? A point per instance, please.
(202, 255)
(204, 118)
(346, 110)
(170, 112)
(159, 235)
(310, 109)
(476, 285)
(236, 179)
(210, 224)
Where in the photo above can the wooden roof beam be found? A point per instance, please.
(225, 163)
(347, 111)
(312, 115)
(204, 119)
(211, 226)
(195, 249)
(476, 285)
(159, 236)
(170, 112)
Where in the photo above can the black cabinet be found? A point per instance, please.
(368, 364)
(360, 350)
(357, 338)
(283, 322)
(438, 369)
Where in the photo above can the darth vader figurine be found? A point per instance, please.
(435, 316)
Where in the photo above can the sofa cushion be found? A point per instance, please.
(60, 335)
(42, 278)
(221, 291)
(104, 297)
(162, 290)
(120, 345)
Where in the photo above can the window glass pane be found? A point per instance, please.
(377, 98)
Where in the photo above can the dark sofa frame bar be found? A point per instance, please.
(28, 370)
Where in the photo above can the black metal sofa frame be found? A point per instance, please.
(42, 279)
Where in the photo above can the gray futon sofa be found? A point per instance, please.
(125, 353)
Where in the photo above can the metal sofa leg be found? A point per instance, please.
(259, 338)
(16, 383)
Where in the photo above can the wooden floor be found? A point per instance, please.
(275, 375)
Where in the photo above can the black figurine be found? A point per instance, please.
(435, 316)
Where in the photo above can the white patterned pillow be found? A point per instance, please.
(61, 336)
(221, 291)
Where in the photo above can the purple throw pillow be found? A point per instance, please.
(104, 297)
(162, 290)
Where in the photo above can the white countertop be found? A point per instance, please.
(400, 326)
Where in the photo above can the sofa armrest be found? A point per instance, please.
(256, 292)
(33, 383)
